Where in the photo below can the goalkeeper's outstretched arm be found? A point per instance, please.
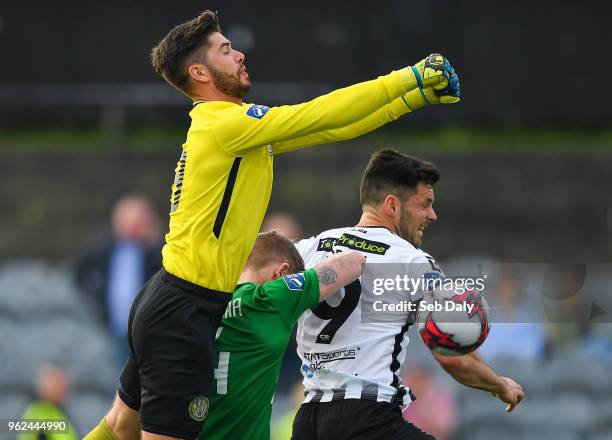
(411, 101)
(238, 130)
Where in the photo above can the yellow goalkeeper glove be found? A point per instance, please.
(437, 81)
(419, 98)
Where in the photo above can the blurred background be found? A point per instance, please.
(90, 136)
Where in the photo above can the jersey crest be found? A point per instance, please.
(198, 408)
(257, 111)
(295, 282)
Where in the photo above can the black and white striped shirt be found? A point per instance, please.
(346, 352)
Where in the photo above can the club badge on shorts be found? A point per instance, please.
(198, 408)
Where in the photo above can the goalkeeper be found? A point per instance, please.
(220, 194)
(272, 292)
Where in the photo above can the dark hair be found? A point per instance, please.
(272, 247)
(392, 172)
(176, 50)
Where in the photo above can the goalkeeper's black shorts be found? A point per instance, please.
(353, 419)
(169, 373)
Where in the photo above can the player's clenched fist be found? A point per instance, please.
(437, 80)
(512, 394)
(430, 70)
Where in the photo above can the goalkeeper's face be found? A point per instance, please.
(226, 67)
(416, 213)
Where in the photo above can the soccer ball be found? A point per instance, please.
(453, 324)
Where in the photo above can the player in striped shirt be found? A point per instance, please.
(350, 357)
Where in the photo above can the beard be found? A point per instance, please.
(405, 230)
(230, 85)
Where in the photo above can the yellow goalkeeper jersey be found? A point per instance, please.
(223, 178)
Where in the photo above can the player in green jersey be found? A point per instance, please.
(271, 295)
(256, 328)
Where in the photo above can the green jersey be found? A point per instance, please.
(251, 342)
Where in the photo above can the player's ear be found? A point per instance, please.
(391, 206)
(281, 269)
(199, 73)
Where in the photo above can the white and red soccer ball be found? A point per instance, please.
(458, 325)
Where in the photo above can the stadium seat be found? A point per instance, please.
(601, 435)
(491, 426)
(603, 420)
(86, 409)
(33, 290)
(507, 430)
(13, 403)
(474, 405)
(549, 434)
(42, 321)
(92, 374)
(579, 411)
(593, 379)
(521, 370)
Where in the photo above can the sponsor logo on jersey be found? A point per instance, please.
(257, 111)
(363, 245)
(318, 359)
(198, 408)
(326, 244)
(295, 282)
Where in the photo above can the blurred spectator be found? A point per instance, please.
(283, 223)
(112, 274)
(517, 328)
(52, 390)
(434, 410)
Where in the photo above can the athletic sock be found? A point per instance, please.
(101, 432)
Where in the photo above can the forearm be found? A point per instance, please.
(382, 116)
(350, 105)
(471, 370)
